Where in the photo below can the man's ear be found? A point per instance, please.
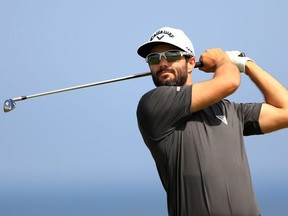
(191, 63)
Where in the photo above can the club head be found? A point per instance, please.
(9, 105)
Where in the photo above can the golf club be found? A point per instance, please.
(10, 104)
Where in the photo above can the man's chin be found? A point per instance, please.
(167, 78)
(165, 82)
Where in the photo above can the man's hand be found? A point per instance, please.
(212, 59)
(238, 60)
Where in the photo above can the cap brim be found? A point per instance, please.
(146, 48)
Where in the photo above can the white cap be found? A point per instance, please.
(167, 35)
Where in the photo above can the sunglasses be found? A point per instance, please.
(170, 56)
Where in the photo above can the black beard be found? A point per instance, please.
(179, 80)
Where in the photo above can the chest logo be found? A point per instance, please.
(222, 118)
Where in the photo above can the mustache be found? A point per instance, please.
(164, 70)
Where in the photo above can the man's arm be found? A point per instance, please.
(274, 112)
(225, 81)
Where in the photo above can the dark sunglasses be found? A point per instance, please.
(170, 56)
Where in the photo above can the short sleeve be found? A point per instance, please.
(251, 113)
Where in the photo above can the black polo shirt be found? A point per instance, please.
(200, 157)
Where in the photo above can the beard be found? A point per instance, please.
(180, 77)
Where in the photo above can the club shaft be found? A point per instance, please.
(82, 86)
(198, 64)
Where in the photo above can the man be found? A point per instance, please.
(196, 136)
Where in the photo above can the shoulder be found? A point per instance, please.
(166, 89)
(163, 93)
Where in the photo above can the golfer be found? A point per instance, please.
(195, 135)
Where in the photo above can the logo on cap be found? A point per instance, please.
(160, 37)
(164, 32)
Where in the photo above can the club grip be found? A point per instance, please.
(200, 63)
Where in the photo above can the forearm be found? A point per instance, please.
(225, 81)
(274, 113)
(274, 92)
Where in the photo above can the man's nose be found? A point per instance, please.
(163, 61)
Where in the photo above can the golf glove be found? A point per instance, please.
(239, 60)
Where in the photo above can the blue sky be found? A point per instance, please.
(80, 152)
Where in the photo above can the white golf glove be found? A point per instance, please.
(238, 60)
